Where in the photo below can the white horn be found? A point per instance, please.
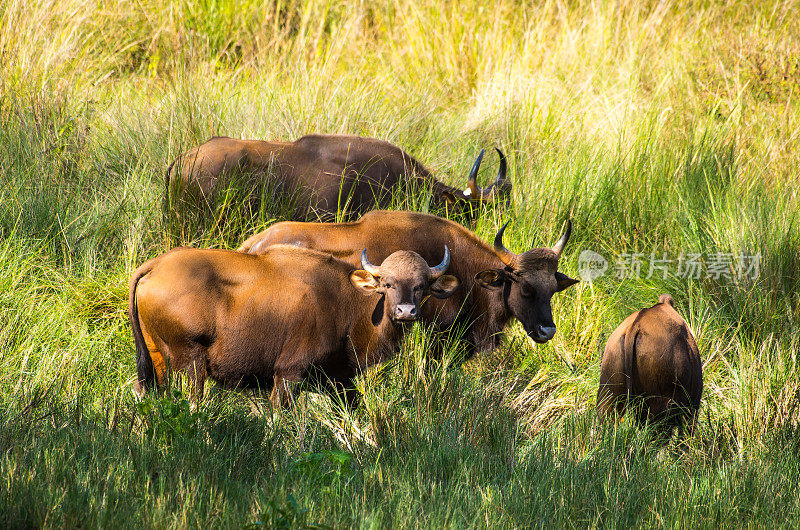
(442, 267)
(558, 248)
(369, 267)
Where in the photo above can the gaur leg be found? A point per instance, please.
(444, 338)
(612, 395)
(286, 383)
(612, 392)
(188, 361)
(684, 416)
(662, 413)
(688, 397)
(654, 409)
(610, 404)
(335, 380)
(691, 421)
(196, 374)
(345, 389)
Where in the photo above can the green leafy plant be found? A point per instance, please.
(285, 516)
(327, 466)
(169, 417)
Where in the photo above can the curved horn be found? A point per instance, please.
(505, 255)
(476, 192)
(558, 248)
(442, 267)
(472, 180)
(501, 172)
(369, 267)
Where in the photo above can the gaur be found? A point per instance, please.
(652, 359)
(319, 174)
(271, 321)
(496, 284)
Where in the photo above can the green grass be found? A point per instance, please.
(658, 128)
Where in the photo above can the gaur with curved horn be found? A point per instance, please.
(319, 175)
(288, 316)
(442, 267)
(498, 284)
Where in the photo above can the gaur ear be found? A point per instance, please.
(563, 281)
(444, 286)
(364, 281)
(491, 278)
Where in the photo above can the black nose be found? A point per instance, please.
(405, 312)
(543, 333)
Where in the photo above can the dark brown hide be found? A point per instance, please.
(491, 292)
(261, 321)
(319, 173)
(652, 357)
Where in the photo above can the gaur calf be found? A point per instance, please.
(318, 174)
(497, 284)
(273, 320)
(652, 359)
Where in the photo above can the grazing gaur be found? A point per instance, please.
(270, 321)
(496, 284)
(652, 357)
(321, 174)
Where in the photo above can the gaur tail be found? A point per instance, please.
(145, 371)
(629, 351)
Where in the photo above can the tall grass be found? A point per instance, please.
(658, 127)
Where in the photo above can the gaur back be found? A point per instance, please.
(652, 357)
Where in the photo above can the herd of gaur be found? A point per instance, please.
(318, 302)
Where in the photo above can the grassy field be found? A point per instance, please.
(660, 127)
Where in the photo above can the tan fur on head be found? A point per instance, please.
(666, 299)
(403, 261)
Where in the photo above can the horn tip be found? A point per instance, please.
(502, 171)
(473, 174)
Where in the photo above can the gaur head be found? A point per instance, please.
(500, 189)
(404, 279)
(528, 282)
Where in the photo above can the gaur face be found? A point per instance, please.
(528, 282)
(404, 279)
